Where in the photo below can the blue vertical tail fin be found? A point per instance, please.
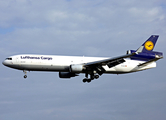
(150, 43)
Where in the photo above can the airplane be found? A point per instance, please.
(71, 66)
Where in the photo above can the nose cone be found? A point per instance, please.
(4, 62)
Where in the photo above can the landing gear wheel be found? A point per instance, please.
(25, 76)
(96, 76)
(88, 80)
(84, 80)
(93, 75)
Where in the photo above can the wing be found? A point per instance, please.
(110, 62)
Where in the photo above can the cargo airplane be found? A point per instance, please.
(70, 66)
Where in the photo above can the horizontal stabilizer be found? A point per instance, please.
(150, 61)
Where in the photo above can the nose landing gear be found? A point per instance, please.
(25, 72)
(25, 76)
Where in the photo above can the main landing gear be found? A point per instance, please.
(25, 72)
(92, 77)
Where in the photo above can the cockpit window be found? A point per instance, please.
(8, 58)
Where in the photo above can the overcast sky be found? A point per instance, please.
(103, 28)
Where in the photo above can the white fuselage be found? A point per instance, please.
(31, 62)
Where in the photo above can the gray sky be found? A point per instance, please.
(89, 28)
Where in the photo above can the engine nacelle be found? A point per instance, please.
(67, 74)
(76, 68)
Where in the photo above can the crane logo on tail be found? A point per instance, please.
(149, 45)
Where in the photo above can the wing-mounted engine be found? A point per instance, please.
(76, 68)
(67, 74)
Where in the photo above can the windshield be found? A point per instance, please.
(8, 58)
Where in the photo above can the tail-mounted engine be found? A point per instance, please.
(128, 52)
